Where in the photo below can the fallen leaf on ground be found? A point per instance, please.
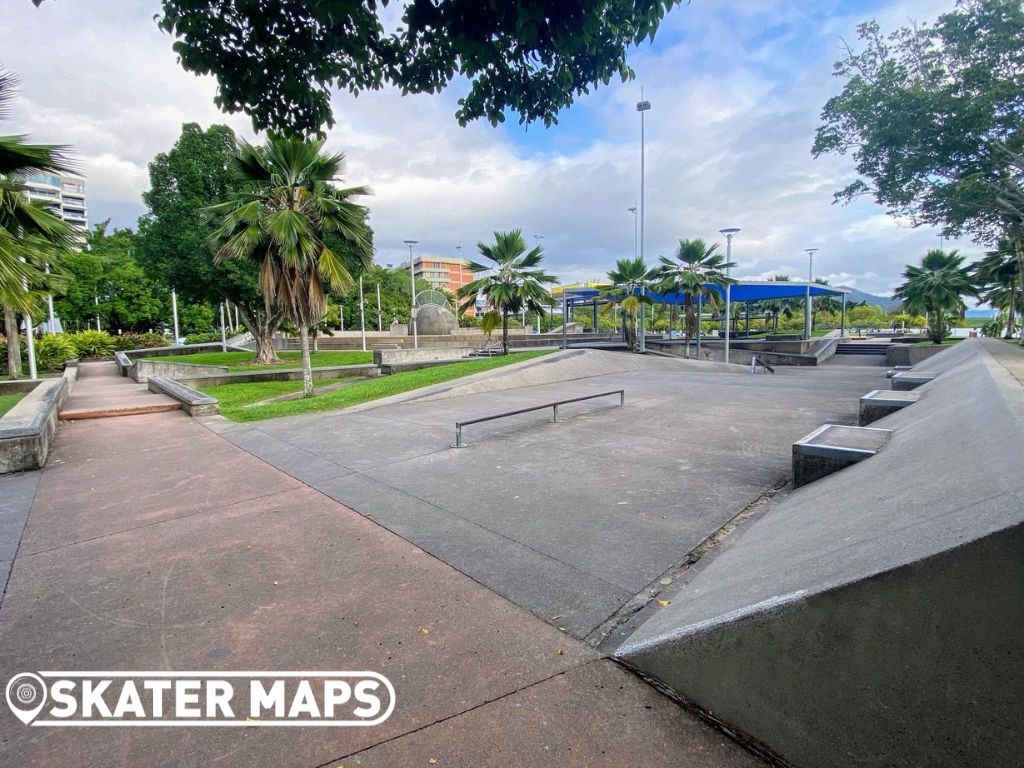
(423, 630)
(664, 603)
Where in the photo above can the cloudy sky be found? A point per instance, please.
(736, 88)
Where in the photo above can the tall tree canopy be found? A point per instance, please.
(276, 60)
(929, 112)
(174, 236)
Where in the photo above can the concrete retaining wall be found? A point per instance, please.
(27, 430)
(873, 618)
(774, 353)
(286, 374)
(143, 370)
(911, 354)
(427, 354)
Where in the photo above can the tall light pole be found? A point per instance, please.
(174, 312)
(412, 285)
(729, 232)
(641, 107)
(810, 278)
(362, 313)
(635, 238)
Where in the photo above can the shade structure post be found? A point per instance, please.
(362, 314)
(700, 299)
(565, 320)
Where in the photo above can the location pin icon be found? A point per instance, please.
(26, 695)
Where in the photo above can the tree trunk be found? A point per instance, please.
(504, 331)
(629, 330)
(1013, 310)
(13, 343)
(688, 307)
(262, 326)
(1019, 248)
(307, 368)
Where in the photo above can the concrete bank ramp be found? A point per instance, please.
(874, 617)
(572, 364)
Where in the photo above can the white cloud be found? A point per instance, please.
(736, 89)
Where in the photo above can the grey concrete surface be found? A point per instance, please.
(28, 429)
(874, 618)
(570, 520)
(16, 494)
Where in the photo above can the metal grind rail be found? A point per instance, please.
(554, 417)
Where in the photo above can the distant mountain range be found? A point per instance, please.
(855, 297)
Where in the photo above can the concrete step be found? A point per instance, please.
(79, 414)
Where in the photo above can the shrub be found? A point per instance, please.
(53, 350)
(203, 338)
(139, 341)
(92, 343)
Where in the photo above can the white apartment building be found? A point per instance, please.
(66, 195)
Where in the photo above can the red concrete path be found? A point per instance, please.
(101, 392)
(154, 544)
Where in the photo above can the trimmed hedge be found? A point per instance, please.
(139, 341)
(210, 337)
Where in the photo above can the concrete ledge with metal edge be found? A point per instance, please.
(27, 430)
(873, 618)
(897, 369)
(832, 447)
(134, 363)
(363, 370)
(904, 381)
(554, 415)
(881, 402)
(193, 402)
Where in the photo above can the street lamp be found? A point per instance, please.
(641, 107)
(635, 221)
(536, 241)
(412, 285)
(729, 232)
(810, 278)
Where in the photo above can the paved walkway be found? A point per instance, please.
(101, 392)
(152, 543)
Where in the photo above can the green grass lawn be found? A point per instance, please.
(235, 397)
(242, 361)
(9, 401)
(945, 342)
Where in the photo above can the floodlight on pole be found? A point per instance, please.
(810, 278)
(729, 233)
(633, 210)
(412, 285)
(642, 106)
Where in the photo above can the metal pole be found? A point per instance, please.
(237, 324)
(30, 342)
(380, 322)
(362, 313)
(174, 312)
(223, 331)
(96, 302)
(49, 307)
(729, 233)
(412, 286)
(642, 106)
(842, 319)
(565, 320)
(807, 303)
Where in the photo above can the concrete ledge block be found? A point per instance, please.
(881, 402)
(27, 430)
(832, 447)
(193, 402)
(904, 381)
(897, 369)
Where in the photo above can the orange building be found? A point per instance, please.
(442, 272)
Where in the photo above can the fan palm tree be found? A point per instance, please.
(999, 275)
(629, 282)
(514, 280)
(936, 287)
(698, 268)
(31, 236)
(281, 220)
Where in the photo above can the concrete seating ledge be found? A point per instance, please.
(881, 402)
(193, 402)
(904, 381)
(27, 430)
(832, 447)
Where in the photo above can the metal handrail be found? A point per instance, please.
(460, 424)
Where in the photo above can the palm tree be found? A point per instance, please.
(31, 237)
(698, 267)
(998, 273)
(936, 287)
(629, 282)
(775, 308)
(514, 280)
(281, 222)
